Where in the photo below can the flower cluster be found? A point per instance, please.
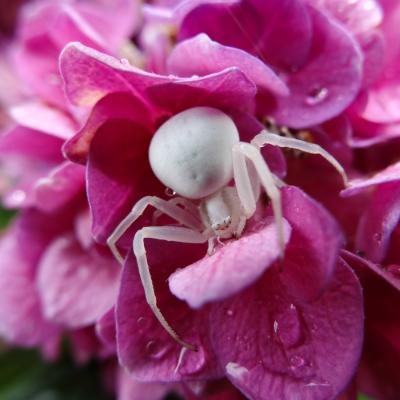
(84, 88)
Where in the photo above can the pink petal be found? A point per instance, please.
(112, 106)
(389, 174)
(378, 222)
(316, 93)
(90, 75)
(69, 293)
(21, 319)
(231, 269)
(207, 56)
(61, 186)
(118, 174)
(276, 31)
(283, 348)
(144, 347)
(43, 118)
(312, 252)
(129, 389)
(106, 329)
(32, 144)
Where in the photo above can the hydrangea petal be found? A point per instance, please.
(69, 293)
(43, 118)
(389, 174)
(378, 222)
(21, 319)
(316, 93)
(207, 56)
(63, 184)
(151, 354)
(115, 182)
(255, 26)
(284, 348)
(232, 268)
(311, 254)
(112, 106)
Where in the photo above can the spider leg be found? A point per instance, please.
(169, 233)
(265, 137)
(173, 211)
(241, 152)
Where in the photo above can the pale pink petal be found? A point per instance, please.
(233, 267)
(207, 56)
(70, 280)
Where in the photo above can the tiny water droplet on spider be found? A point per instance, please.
(229, 312)
(316, 96)
(296, 361)
(169, 192)
(155, 350)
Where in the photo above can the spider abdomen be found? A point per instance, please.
(191, 153)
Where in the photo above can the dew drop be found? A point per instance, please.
(169, 192)
(316, 96)
(124, 61)
(155, 350)
(229, 312)
(296, 361)
(289, 327)
(378, 237)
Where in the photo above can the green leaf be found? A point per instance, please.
(24, 375)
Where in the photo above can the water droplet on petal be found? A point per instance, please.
(296, 361)
(229, 312)
(378, 237)
(155, 350)
(289, 327)
(316, 96)
(124, 61)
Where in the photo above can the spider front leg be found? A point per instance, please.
(241, 152)
(265, 137)
(173, 211)
(169, 233)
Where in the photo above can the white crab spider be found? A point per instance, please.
(196, 153)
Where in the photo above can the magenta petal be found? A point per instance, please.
(31, 144)
(70, 292)
(229, 88)
(207, 56)
(112, 106)
(43, 118)
(232, 268)
(129, 389)
(378, 222)
(21, 319)
(316, 93)
(275, 347)
(144, 347)
(62, 185)
(106, 329)
(312, 252)
(389, 174)
(118, 174)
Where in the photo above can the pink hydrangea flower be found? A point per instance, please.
(128, 106)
